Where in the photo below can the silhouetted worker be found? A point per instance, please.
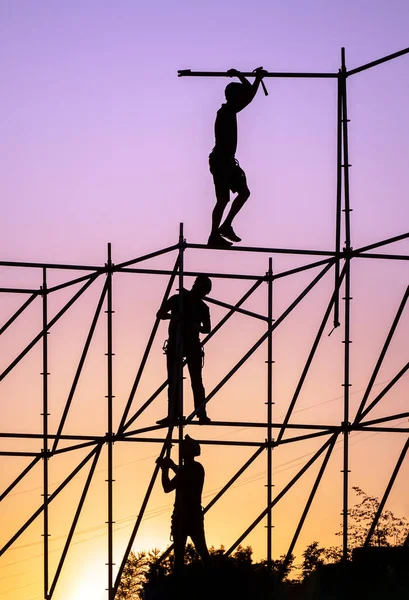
(194, 320)
(226, 171)
(187, 517)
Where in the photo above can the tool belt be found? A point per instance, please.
(166, 345)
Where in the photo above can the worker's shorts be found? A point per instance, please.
(187, 525)
(227, 173)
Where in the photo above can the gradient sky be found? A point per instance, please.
(102, 142)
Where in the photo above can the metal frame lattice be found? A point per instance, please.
(338, 259)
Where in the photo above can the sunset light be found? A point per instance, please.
(294, 383)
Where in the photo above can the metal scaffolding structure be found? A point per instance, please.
(335, 262)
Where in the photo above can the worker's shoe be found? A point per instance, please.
(228, 232)
(217, 241)
(167, 421)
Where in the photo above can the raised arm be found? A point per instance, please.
(165, 311)
(168, 484)
(250, 88)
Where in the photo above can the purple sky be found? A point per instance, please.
(101, 141)
(100, 137)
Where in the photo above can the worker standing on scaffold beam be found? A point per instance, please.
(194, 320)
(226, 171)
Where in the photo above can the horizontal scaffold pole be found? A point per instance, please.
(34, 265)
(276, 74)
(264, 250)
(384, 256)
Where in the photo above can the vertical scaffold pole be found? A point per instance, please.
(45, 430)
(110, 433)
(270, 415)
(345, 122)
(347, 340)
(345, 423)
(180, 343)
(340, 87)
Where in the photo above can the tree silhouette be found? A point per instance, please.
(136, 572)
(235, 573)
(313, 557)
(389, 530)
(239, 577)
